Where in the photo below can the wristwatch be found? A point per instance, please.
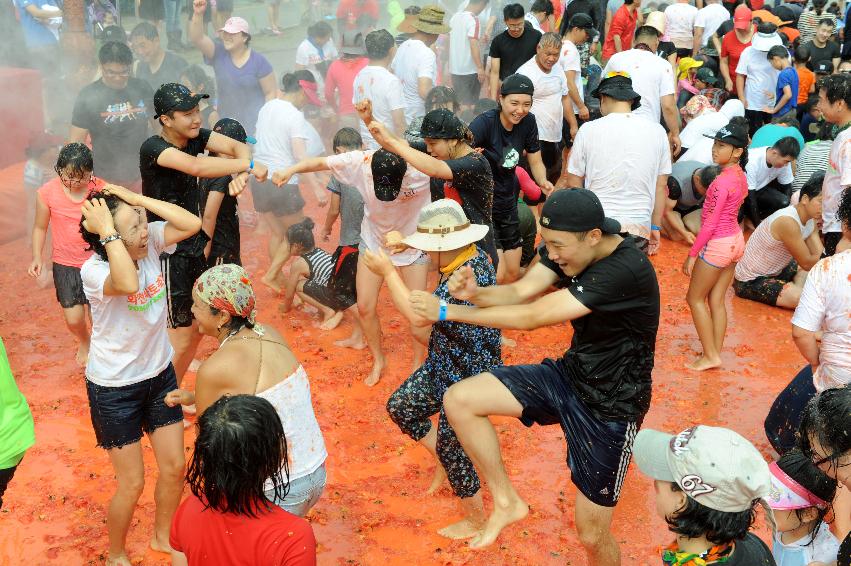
(110, 238)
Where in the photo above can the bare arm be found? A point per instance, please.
(39, 235)
(786, 230)
(740, 89)
(202, 166)
(424, 85)
(807, 343)
(462, 285)
(399, 124)
(494, 78)
(476, 53)
(122, 278)
(298, 270)
(567, 110)
(196, 30)
(211, 213)
(574, 181)
(787, 95)
(672, 120)
(661, 198)
(572, 91)
(617, 41)
(270, 89)
(178, 558)
(331, 215)
(539, 171)
(310, 165)
(419, 160)
(698, 40)
(725, 72)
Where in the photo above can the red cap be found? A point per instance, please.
(742, 17)
(310, 89)
(757, 4)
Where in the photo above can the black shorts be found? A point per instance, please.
(831, 240)
(766, 290)
(69, 286)
(467, 87)
(551, 156)
(598, 452)
(180, 274)
(343, 280)
(218, 257)
(506, 229)
(121, 414)
(280, 201)
(565, 131)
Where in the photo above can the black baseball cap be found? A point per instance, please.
(581, 20)
(233, 129)
(174, 96)
(576, 210)
(732, 134)
(442, 124)
(825, 67)
(388, 170)
(619, 87)
(517, 84)
(706, 75)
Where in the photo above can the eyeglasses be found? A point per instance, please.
(75, 181)
(117, 74)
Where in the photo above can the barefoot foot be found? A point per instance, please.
(501, 517)
(118, 560)
(160, 545)
(437, 480)
(464, 528)
(269, 281)
(332, 322)
(351, 342)
(703, 363)
(375, 374)
(507, 342)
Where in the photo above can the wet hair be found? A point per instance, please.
(146, 30)
(198, 76)
(319, 29)
(778, 51)
(801, 469)
(301, 235)
(544, 6)
(240, 444)
(550, 39)
(513, 12)
(812, 188)
(347, 138)
(802, 54)
(787, 147)
(836, 88)
(843, 213)
(75, 157)
(92, 238)
(290, 81)
(827, 417)
(707, 175)
(378, 44)
(114, 52)
(441, 96)
(694, 520)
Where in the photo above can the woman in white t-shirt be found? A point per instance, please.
(224, 304)
(129, 370)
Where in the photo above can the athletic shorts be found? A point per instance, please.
(121, 414)
(565, 130)
(223, 258)
(323, 294)
(506, 230)
(180, 274)
(766, 290)
(598, 452)
(721, 252)
(69, 286)
(467, 87)
(280, 201)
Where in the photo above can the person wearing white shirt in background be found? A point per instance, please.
(679, 25)
(769, 173)
(550, 101)
(706, 23)
(835, 105)
(541, 11)
(579, 30)
(465, 57)
(652, 78)
(416, 64)
(316, 53)
(635, 191)
(693, 136)
(376, 83)
(756, 79)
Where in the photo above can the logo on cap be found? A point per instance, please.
(694, 486)
(679, 443)
(545, 221)
(725, 132)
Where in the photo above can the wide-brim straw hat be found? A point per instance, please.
(442, 226)
(430, 20)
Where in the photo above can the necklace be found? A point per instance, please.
(230, 335)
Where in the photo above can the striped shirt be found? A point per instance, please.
(321, 265)
(813, 158)
(766, 256)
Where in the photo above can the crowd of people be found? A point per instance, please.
(536, 157)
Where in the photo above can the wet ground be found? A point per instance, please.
(374, 510)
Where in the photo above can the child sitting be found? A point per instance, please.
(800, 498)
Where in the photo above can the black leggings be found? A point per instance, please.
(5, 477)
(784, 418)
(410, 407)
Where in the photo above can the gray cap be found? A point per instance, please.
(353, 43)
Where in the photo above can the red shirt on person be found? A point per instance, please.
(732, 48)
(69, 249)
(210, 538)
(341, 77)
(350, 10)
(623, 25)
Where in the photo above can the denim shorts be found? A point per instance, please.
(303, 494)
(121, 414)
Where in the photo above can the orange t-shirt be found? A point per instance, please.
(69, 249)
(806, 78)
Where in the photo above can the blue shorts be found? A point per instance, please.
(121, 414)
(598, 452)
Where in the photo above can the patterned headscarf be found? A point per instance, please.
(697, 105)
(227, 288)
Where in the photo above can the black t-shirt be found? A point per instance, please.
(818, 54)
(582, 7)
(750, 551)
(169, 71)
(666, 49)
(117, 121)
(226, 235)
(610, 359)
(725, 27)
(174, 186)
(503, 149)
(513, 52)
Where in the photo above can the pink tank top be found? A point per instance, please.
(719, 217)
(69, 249)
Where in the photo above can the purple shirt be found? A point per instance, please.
(239, 93)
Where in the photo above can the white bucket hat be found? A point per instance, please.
(765, 41)
(442, 226)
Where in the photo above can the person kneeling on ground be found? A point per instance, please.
(228, 519)
(687, 187)
(455, 350)
(708, 482)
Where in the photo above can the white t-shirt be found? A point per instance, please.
(308, 56)
(706, 124)
(384, 89)
(626, 187)
(710, 18)
(837, 177)
(759, 174)
(652, 78)
(824, 306)
(761, 78)
(355, 168)
(569, 61)
(679, 24)
(534, 21)
(465, 26)
(413, 61)
(277, 124)
(550, 88)
(129, 338)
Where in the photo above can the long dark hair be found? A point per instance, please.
(240, 445)
(827, 419)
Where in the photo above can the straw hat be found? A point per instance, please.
(656, 20)
(430, 20)
(442, 226)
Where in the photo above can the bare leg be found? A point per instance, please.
(430, 442)
(509, 265)
(593, 524)
(703, 279)
(692, 221)
(355, 341)
(368, 285)
(671, 227)
(130, 474)
(274, 226)
(184, 340)
(167, 442)
(472, 523)
(75, 319)
(282, 253)
(415, 277)
(468, 405)
(330, 318)
(717, 306)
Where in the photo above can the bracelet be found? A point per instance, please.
(251, 165)
(654, 227)
(110, 238)
(443, 309)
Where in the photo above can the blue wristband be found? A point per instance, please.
(654, 227)
(251, 165)
(443, 308)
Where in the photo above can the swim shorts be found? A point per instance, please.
(721, 252)
(69, 286)
(506, 229)
(180, 275)
(280, 201)
(766, 290)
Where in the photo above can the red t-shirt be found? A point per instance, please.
(732, 48)
(210, 538)
(69, 249)
(341, 77)
(350, 10)
(623, 25)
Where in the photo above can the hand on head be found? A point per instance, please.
(97, 218)
(123, 193)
